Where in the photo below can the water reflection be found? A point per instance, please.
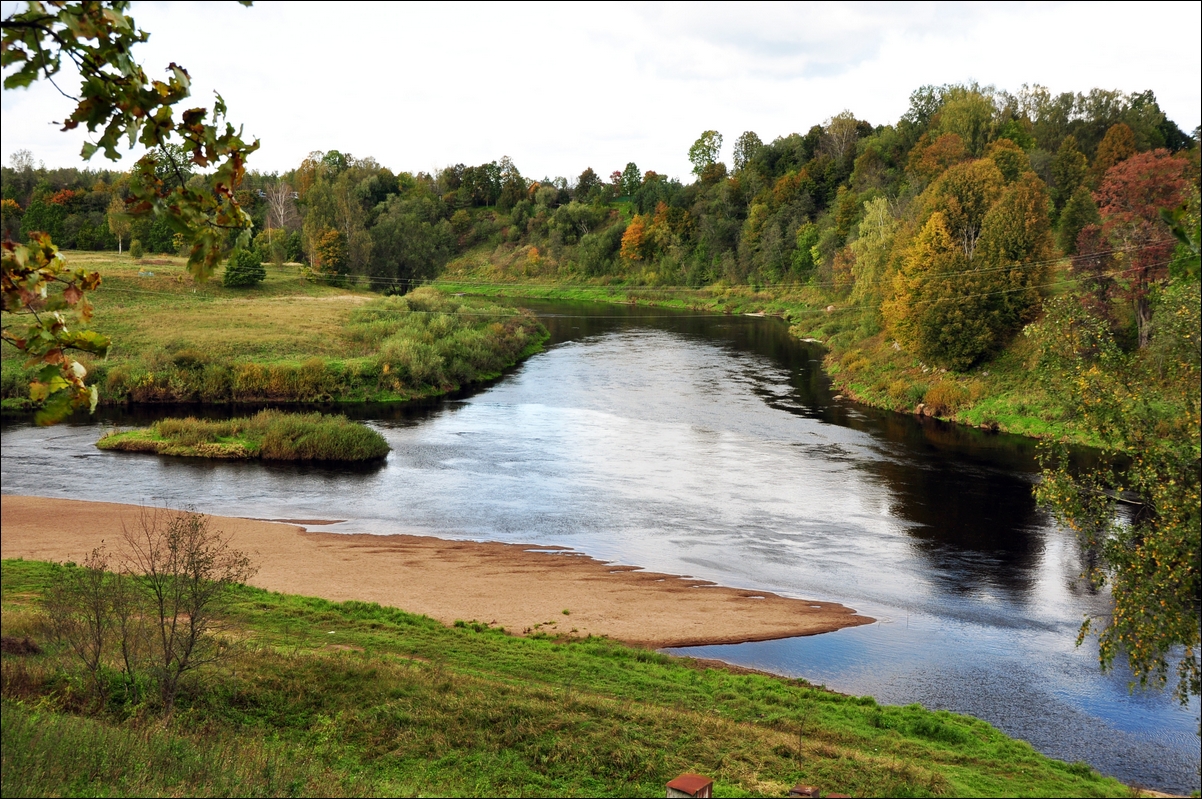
(966, 493)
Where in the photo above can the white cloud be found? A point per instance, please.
(559, 88)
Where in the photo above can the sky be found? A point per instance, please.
(560, 87)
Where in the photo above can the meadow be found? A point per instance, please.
(285, 340)
(354, 699)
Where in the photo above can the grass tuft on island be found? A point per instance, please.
(269, 434)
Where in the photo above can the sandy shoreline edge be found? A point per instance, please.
(522, 588)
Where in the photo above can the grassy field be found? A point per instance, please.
(285, 340)
(321, 698)
(269, 434)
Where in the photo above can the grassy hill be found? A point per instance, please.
(322, 698)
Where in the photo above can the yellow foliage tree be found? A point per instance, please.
(634, 239)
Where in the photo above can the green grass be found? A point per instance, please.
(269, 434)
(286, 340)
(351, 698)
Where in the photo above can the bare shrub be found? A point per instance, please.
(159, 616)
(79, 611)
(186, 570)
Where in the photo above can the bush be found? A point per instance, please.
(316, 437)
(245, 268)
(135, 249)
(945, 398)
(128, 617)
(598, 252)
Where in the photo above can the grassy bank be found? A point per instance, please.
(325, 698)
(285, 340)
(269, 434)
(864, 364)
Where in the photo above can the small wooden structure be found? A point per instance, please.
(809, 791)
(691, 785)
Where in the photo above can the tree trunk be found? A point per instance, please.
(1143, 309)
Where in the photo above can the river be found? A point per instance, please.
(711, 446)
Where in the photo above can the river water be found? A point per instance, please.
(711, 446)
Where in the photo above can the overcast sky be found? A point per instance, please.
(564, 86)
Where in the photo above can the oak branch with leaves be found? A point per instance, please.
(115, 100)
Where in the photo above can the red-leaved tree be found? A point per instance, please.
(1130, 199)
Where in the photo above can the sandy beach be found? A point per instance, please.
(503, 584)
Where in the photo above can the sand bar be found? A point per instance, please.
(503, 584)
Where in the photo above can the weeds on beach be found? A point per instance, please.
(325, 698)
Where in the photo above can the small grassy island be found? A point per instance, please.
(270, 434)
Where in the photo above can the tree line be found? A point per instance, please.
(943, 222)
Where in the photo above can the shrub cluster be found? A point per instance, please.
(245, 268)
(140, 625)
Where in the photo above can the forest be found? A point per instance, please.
(945, 226)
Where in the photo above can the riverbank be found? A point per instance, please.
(553, 591)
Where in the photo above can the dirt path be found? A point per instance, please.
(505, 584)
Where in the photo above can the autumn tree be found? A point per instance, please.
(930, 159)
(969, 113)
(839, 134)
(334, 203)
(969, 279)
(964, 194)
(1009, 158)
(281, 206)
(633, 239)
(1144, 414)
(586, 184)
(1117, 146)
(1016, 249)
(1129, 200)
(873, 244)
(118, 220)
(329, 254)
